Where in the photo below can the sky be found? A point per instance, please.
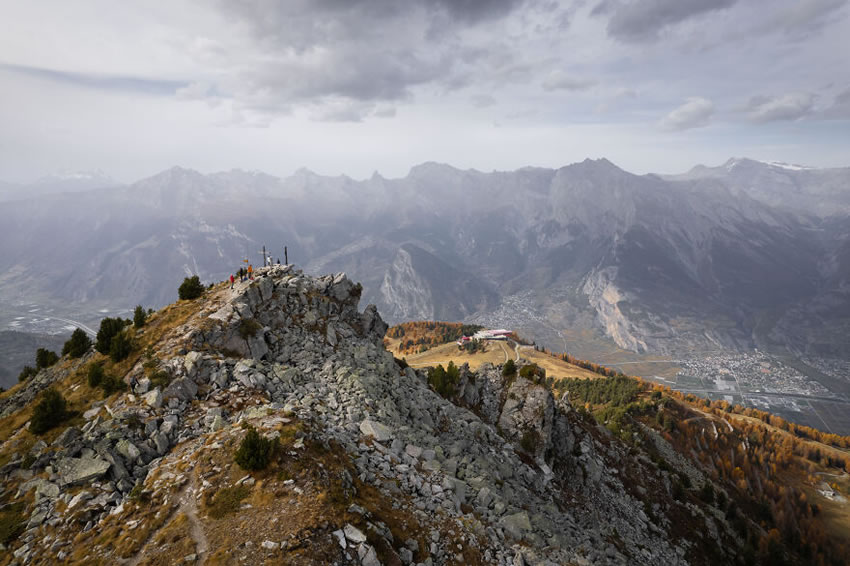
(353, 87)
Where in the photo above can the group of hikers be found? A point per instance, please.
(242, 274)
(248, 273)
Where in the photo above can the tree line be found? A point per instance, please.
(418, 336)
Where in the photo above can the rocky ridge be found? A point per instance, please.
(503, 473)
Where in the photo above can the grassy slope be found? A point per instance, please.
(495, 353)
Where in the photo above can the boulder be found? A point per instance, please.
(370, 557)
(81, 497)
(258, 347)
(68, 437)
(340, 538)
(80, 470)
(153, 398)
(342, 287)
(191, 361)
(183, 389)
(376, 430)
(353, 534)
(517, 524)
(160, 442)
(143, 386)
(43, 488)
(413, 451)
(371, 323)
(128, 450)
(223, 314)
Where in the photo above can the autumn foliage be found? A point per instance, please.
(419, 336)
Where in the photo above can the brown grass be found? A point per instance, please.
(495, 353)
(227, 500)
(172, 543)
(155, 329)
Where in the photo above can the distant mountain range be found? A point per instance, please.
(54, 184)
(747, 254)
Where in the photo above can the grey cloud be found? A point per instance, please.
(483, 100)
(642, 20)
(346, 110)
(342, 111)
(363, 74)
(310, 51)
(139, 85)
(603, 8)
(694, 113)
(476, 10)
(840, 109)
(198, 90)
(801, 18)
(792, 106)
(385, 112)
(558, 80)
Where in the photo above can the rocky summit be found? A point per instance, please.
(369, 464)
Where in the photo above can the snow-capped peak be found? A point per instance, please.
(789, 166)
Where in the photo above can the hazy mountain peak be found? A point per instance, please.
(95, 176)
(432, 167)
(305, 172)
(174, 174)
(596, 169)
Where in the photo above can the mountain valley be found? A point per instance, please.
(587, 259)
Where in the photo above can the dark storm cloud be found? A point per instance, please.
(642, 20)
(97, 81)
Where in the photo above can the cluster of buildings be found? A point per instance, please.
(750, 372)
(500, 334)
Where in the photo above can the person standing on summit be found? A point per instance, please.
(232, 279)
(250, 271)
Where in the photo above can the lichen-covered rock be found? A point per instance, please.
(80, 470)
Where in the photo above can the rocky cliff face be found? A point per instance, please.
(376, 467)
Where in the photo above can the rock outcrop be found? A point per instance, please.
(514, 472)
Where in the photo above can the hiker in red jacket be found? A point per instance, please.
(231, 280)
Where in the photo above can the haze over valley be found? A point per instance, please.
(588, 259)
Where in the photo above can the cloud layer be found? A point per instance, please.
(355, 85)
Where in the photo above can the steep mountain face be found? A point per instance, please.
(374, 467)
(747, 254)
(420, 286)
